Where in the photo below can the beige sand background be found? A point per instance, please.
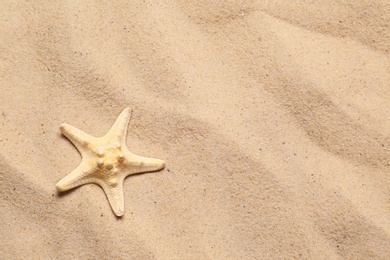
(272, 116)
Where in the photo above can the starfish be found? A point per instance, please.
(106, 161)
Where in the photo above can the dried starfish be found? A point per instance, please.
(106, 161)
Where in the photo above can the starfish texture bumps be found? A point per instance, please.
(106, 161)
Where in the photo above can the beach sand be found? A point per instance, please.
(272, 118)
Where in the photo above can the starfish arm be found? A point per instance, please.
(119, 130)
(138, 164)
(80, 176)
(115, 197)
(77, 137)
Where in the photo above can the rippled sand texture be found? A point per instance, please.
(272, 117)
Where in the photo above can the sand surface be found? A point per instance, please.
(273, 118)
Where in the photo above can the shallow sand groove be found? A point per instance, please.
(272, 118)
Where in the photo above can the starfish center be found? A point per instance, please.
(109, 160)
